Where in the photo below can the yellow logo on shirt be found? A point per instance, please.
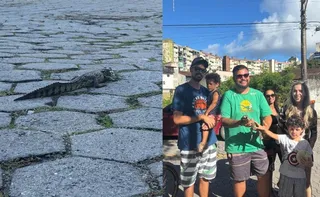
(245, 106)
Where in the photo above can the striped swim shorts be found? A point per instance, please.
(193, 163)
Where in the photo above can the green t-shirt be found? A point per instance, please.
(234, 105)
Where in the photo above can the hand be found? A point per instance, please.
(249, 123)
(260, 127)
(209, 121)
(306, 161)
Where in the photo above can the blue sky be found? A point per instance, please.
(278, 42)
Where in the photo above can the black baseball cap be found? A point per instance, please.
(198, 61)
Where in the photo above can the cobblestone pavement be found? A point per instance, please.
(221, 186)
(95, 142)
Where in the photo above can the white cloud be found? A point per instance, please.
(213, 48)
(280, 38)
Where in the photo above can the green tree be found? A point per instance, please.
(314, 63)
(279, 82)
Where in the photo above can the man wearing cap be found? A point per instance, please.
(189, 106)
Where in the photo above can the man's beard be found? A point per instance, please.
(197, 79)
(242, 87)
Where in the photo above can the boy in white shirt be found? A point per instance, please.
(297, 157)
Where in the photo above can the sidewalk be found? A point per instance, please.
(96, 142)
(221, 186)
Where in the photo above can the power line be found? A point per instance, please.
(236, 24)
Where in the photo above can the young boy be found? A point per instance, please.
(214, 99)
(297, 157)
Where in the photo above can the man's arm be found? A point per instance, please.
(267, 121)
(180, 119)
(231, 123)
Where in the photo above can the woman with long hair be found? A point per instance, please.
(271, 147)
(299, 103)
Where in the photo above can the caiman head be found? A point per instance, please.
(110, 75)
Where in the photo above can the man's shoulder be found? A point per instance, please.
(229, 92)
(255, 91)
(182, 87)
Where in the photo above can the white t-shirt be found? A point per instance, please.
(290, 166)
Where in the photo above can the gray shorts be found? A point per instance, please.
(289, 187)
(192, 164)
(244, 165)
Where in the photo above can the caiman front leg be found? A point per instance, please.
(54, 101)
(96, 84)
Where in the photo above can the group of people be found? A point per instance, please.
(256, 131)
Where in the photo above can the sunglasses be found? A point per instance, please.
(244, 75)
(270, 95)
(198, 69)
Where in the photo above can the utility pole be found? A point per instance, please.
(304, 74)
(172, 5)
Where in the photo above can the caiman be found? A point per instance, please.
(55, 90)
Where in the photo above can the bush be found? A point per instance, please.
(279, 82)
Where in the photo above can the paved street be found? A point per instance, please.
(221, 186)
(96, 142)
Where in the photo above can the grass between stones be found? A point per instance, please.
(45, 74)
(133, 102)
(152, 59)
(116, 56)
(105, 120)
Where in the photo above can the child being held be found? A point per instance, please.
(214, 100)
(297, 156)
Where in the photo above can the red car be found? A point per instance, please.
(169, 129)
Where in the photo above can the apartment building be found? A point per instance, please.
(183, 56)
(316, 54)
(254, 66)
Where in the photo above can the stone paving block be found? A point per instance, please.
(93, 57)
(49, 66)
(116, 67)
(20, 76)
(143, 63)
(60, 122)
(8, 104)
(5, 119)
(17, 143)
(156, 168)
(93, 103)
(45, 55)
(77, 177)
(118, 144)
(127, 88)
(151, 101)
(142, 54)
(71, 61)
(21, 60)
(66, 52)
(138, 118)
(146, 64)
(147, 76)
(31, 86)
(5, 86)
(5, 55)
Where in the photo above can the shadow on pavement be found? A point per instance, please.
(222, 185)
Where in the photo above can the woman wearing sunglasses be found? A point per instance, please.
(271, 147)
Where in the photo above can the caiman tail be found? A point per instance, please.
(54, 89)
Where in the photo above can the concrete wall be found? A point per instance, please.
(314, 87)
